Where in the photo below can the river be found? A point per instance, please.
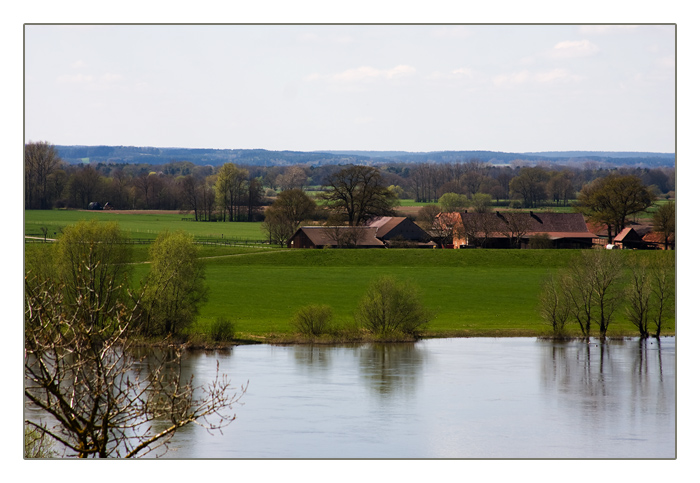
(444, 398)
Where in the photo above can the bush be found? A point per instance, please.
(313, 319)
(223, 330)
(540, 241)
(390, 307)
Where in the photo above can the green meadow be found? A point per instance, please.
(140, 226)
(471, 292)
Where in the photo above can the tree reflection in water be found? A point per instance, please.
(596, 378)
(390, 368)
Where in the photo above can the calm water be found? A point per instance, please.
(445, 398)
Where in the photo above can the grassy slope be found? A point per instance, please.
(473, 292)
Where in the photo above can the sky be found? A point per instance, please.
(432, 87)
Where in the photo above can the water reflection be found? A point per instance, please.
(384, 368)
(390, 368)
(449, 398)
(618, 379)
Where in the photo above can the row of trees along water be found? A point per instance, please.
(236, 192)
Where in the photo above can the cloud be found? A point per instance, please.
(75, 78)
(97, 82)
(574, 48)
(460, 73)
(366, 74)
(526, 77)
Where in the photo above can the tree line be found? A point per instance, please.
(598, 284)
(237, 194)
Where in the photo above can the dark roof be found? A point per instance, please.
(385, 224)
(628, 234)
(323, 235)
(557, 225)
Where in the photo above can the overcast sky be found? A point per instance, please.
(305, 87)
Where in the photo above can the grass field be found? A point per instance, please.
(145, 226)
(472, 292)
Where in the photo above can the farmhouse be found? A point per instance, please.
(399, 230)
(655, 239)
(629, 239)
(518, 230)
(381, 232)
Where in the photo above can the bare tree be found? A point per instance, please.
(294, 177)
(663, 292)
(80, 364)
(592, 285)
(665, 221)
(358, 193)
(446, 227)
(343, 236)
(639, 295)
(555, 306)
(479, 227)
(40, 161)
(86, 378)
(515, 226)
(190, 195)
(286, 214)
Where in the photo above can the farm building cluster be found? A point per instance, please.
(477, 230)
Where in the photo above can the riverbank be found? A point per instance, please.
(200, 343)
(473, 293)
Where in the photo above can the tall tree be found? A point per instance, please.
(175, 285)
(288, 211)
(665, 221)
(40, 160)
(293, 177)
(453, 202)
(592, 283)
(359, 193)
(530, 185)
(231, 189)
(560, 187)
(92, 261)
(612, 199)
(190, 194)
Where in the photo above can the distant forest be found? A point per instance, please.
(262, 157)
(189, 179)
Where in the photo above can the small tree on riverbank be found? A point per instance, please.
(390, 306)
(175, 285)
(555, 306)
(313, 319)
(591, 290)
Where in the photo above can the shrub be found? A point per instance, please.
(540, 241)
(313, 319)
(223, 330)
(390, 306)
